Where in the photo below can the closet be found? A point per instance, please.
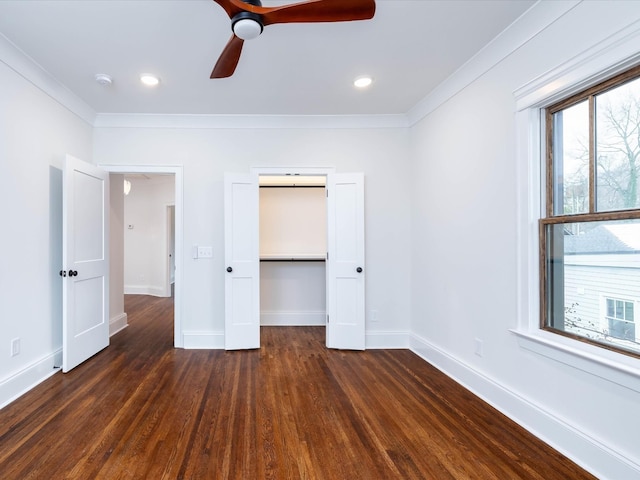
(310, 259)
(293, 249)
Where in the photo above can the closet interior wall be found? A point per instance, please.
(293, 234)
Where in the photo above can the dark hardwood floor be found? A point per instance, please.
(291, 410)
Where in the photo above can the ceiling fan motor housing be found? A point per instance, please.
(247, 25)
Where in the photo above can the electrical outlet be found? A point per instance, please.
(374, 316)
(15, 347)
(478, 347)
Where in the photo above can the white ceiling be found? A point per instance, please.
(409, 47)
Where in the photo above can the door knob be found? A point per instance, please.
(73, 273)
(63, 273)
(229, 269)
(359, 269)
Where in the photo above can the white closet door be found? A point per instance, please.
(242, 262)
(85, 290)
(345, 262)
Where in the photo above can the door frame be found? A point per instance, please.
(170, 218)
(176, 170)
(302, 171)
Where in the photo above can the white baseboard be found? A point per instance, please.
(587, 451)
(117, 323)
(145, 290)
(203, 340)
(293, 319)
(374, 340)
(24, 380)
(386, 340)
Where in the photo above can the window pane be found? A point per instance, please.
(609, 307)
(571, 160)
(619, 309)
(618, 148)
(593, 279)
(628, 311)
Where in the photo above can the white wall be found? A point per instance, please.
(293, 293)
(293, 221)
(145, 234)
(293, 224)
(117, 315)
(206, 153)
(35, 134)
(464, 278)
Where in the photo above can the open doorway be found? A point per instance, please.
(293, 249)
(146, 226)
(147, 241)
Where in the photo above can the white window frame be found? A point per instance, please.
(606, 59)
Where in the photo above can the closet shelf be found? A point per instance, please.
(298, 257)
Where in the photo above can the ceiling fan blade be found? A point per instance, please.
(320, 11)
(228, 61)
(232, 7)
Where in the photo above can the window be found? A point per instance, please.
(590, 233)
(620, 319)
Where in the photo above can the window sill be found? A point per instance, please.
(593, 360)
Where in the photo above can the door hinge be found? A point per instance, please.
(327, 318)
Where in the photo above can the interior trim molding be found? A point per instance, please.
(530, 24)
(203, 340)
(117, 323)
(24, 380)
(177, 171)
(153, 290)
(616, 53)
(386, 340)
(23, 65)
(590, 453)
(112, 120)
(610, 366)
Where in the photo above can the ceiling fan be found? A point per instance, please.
(249, 17)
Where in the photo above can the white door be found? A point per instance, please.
(242, 262)
(85, 291)
(345, 261)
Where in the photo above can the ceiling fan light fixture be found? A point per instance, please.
(247, 28)
(149, 79)
(363, 81)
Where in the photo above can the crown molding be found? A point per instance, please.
(530, 24)
(109, 120)
(27, 68)
(607, 58)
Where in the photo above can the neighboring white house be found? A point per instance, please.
(602, 283)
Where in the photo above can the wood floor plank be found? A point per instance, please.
(293, 409)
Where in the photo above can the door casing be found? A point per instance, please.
(176, 170)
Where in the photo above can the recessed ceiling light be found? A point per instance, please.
(363, 82)
(149, 79)
(104, 79)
